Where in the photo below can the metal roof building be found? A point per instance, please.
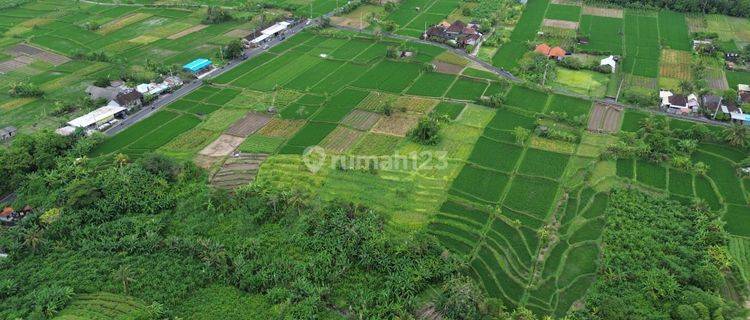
(197, 65)
(97, 116)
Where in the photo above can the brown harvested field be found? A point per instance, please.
(22, 52)
(449, 68)
(397, 124)
(281, 128)
(570, 2)
(361, 120)
(341, 139)
(375, 101)
(10, 65)
(716, 79)
(676, 64)
(349, 23)
(416, 105)
(223, 146)
(187, 31)
(248, 125)
(603, 12)
(605, 118)
(24, 49)
(562, 24)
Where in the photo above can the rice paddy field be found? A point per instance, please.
(490, 198)
(55, 31)
(656, 46)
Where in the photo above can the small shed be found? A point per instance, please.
(7, 133)
(609, 61)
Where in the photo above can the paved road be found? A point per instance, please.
(166, 99)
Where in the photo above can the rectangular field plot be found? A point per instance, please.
(564, 12)
(680, 183)
(574, 107)
(531, 195)
(724, 175)
(495, 155)
(450, 110)
(604, 34)
(467, 89)
(508, 120)
(632, 120)
(509, 54)
(340, 105)
(315, 74)
(340, 78)
(475, 183)
(431, 84)
(528, 99)
(456, 209)
(165, 133)
(651, 174)
(544, 163)
(626, 168)
(736, 218)
(389, 76)
(737, 77)
(375, 144)
(310, 135)
(673, 31)
(676, 64)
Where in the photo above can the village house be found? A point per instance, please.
(716, 105)
(457, 33)
(153, 89)
(7, 133)
(9, 216)
(678, 103)
(129, 99)
(609, 61)
(552, 53)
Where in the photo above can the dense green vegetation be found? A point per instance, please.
(734, 8)
(674, 266)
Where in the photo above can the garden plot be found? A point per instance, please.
(375, 144)
(561, 24)
(341, 139)
(25, 50)
(361, 120)
(221, 147)
(603, 12)
(605, 118)
(398, 124)
(676, 64)
(716, 79)
(415, 105)
(238, 171)
(248, 125)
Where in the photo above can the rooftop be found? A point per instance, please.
(96, 116)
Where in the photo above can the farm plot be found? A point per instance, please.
(341, 139)
(641, 45)
(478, 184)
(449, 110)
(673, 31)
(737, 77)
(398, 124)
(431, 84)
(527, 99)
(389, 76)
(361, 120)
(604, 34)
(574, 107)
(467, 89)
(309, 135)
(532, 195)
(544, 164)
(495, 155)
(724, 175)
(605, 118)
(651, 174)
(248, 125)
(340, 105)
(676, 64)
(564, 12)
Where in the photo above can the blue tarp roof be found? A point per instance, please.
(197, 65)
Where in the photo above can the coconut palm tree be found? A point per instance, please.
(33, 238)
(124, 276)
(737, 135)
